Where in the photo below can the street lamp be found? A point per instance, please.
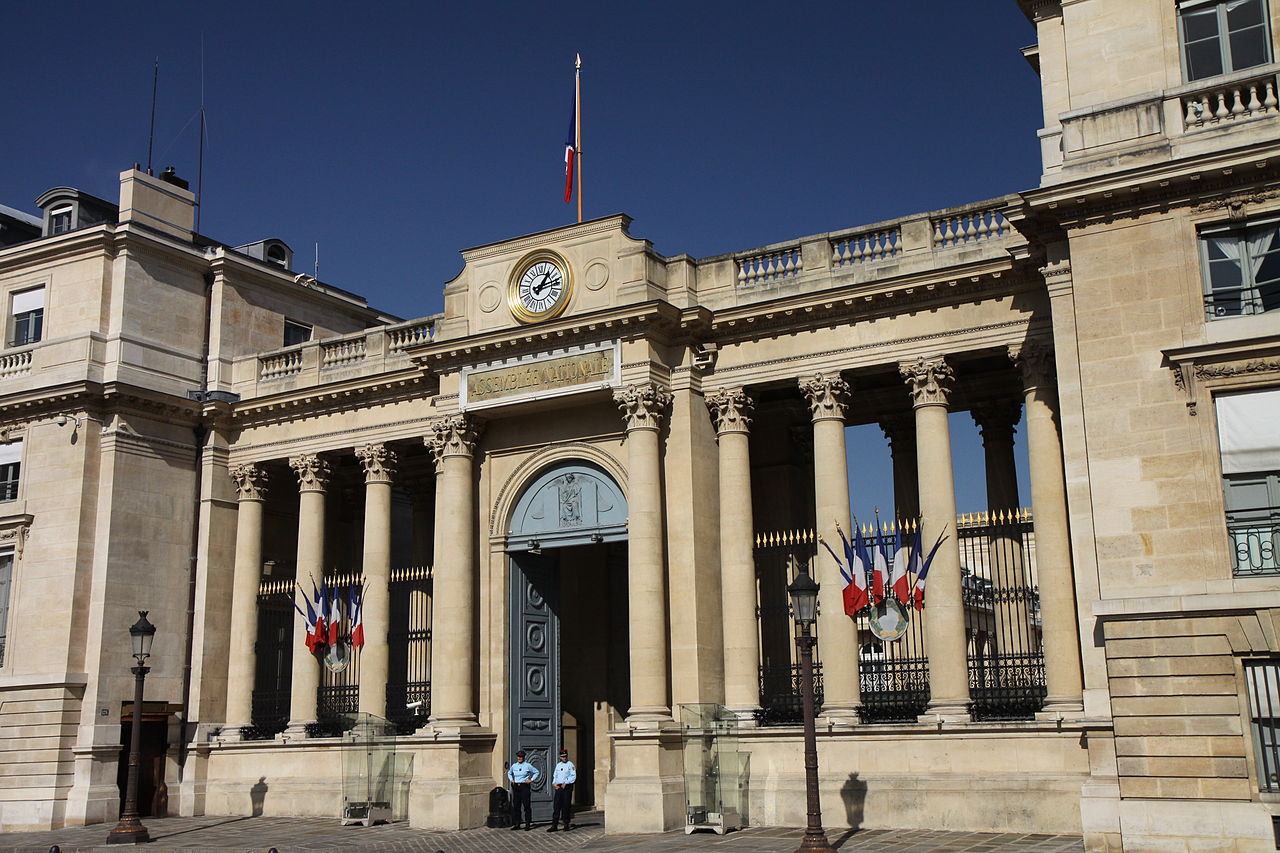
(804, 608)
(130, 829)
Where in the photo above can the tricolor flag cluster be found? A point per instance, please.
(880, 566)
(326, 611)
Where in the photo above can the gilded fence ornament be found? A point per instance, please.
(929, 380)
(731, 409)
(828, 396)
(642, 405)
(455, 435)
(1036, 361)
(379, 463)
(313, 472)
(251, 482)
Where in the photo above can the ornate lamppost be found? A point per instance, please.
(130, 829)
(804, 609)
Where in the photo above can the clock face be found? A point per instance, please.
(541, 289)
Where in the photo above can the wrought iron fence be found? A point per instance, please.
(409, 655)
(1002, 615)
(273, 673)
(1254, 534)
(779, 556)
(781, 702)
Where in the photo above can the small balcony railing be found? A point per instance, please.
(1254, 535)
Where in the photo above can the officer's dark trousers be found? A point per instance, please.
(520, 792)
(562, 805)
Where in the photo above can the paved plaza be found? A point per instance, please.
(294, 835)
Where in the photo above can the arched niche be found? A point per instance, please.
(571, 503)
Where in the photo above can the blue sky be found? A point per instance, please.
(395, 134)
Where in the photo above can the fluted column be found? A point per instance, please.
(379, 468)
(929, 381)
(313, 479)
(1063, 681)
(731, 409)
(900, 430)
(837, 633)
(997, 423)
(642, 406)
(251, 492)
(453, 646)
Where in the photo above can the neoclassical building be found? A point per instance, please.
(567, 507)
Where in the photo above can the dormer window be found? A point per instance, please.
(1222, 36)
(60, 219)
(277, 255)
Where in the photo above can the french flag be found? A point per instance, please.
(880, 567)
(334, 607)
(899, 582)
(855, 594)
(917, 592)
(355, 605)
(570, 149)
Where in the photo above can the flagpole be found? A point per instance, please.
(577, 125)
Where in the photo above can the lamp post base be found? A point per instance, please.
(128, 831)
(814, 842)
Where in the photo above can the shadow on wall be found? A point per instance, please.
(854, 795)
(258, 795)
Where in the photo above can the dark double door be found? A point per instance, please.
(535, 668)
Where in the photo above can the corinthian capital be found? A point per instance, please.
(929, 380)
(379, 463)
(251, 482)
(828, 396)
(1036, 362)
(455, 435)
(997, 421)
(313, 472)
(642, 405)
(731, 408)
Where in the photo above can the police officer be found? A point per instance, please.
(522, 775)
(562, 780)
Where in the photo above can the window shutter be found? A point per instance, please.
(28, 300)
(10, 453)
(1247, 431)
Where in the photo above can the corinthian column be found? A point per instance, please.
(453, 646)
(731, 409)
(929, 381)
(642, 407)
(1063, 682)
(313, 478)
(837, 633)
(251, 492)
(375, 611)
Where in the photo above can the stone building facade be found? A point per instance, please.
(569, 504)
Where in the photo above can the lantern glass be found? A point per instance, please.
(804, 599)
(141, 633)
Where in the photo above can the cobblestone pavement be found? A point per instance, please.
(296, 835)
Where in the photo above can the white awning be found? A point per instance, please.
(1249, 431)
(28, 300)
(11, 452)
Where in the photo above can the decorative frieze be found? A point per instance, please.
(313, 472)
(828, 396)
(1036, 361)
(731, 410)
(251, 482)
(642, 405)
(929, 380)
(16, 535)
(379, 463)
(455, 435)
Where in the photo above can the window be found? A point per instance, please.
(1223, 36)
(276, 255)
(60, 220)
(1250, 447)
(6, 576)
(10, 465)
(1262, 678)
(296, 333)
(26, 311)
(1242, 270)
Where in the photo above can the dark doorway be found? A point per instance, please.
(152, 790)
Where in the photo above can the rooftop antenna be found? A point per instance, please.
(151, 135)
(315, 271)
(200, 160)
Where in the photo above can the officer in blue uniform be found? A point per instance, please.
(562, 779)
(522, 775)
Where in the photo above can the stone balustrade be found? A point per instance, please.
(1229, 102)
(770, 267)
(367, 351)
(866, 247)
(342, 351)
(280, 364)
(15, 364)
(970, 226)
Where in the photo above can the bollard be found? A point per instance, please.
(499, 809)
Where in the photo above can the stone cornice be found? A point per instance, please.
(516, 247)
(311, 401)
(1225, 365)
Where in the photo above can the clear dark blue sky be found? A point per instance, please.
(396, 134)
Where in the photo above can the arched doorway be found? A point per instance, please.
(568, 668)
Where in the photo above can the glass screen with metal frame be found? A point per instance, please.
(1223, 36)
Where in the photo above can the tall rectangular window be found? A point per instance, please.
(26, 317)
(1221, 36)
(6, 578)
(1242, 270)
(296, 333)
(1250, 445)
(1262, 679)
(10, 466)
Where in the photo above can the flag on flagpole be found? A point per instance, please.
(335, 615)
(319, 633)
(918, 590)
(856, 596)
(355, 605)
(879, 568)
(571, 148)
(309, 639)
(899, 582)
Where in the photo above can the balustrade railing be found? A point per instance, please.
(15, 364)
(409, 334)
(867, 247)
(969, 226)
(281, 364)
(1229, 102)
(342, 352)
(770, 267)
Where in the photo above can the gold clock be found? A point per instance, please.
(540, 287)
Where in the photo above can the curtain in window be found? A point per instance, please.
(1247, 432)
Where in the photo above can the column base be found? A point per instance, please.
(946, 711)
(448, 724)
(296, 730)
(842, 716)
(646, 793)
(1061, 708)
(649, 717)
(233, 732)
(748, 716)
